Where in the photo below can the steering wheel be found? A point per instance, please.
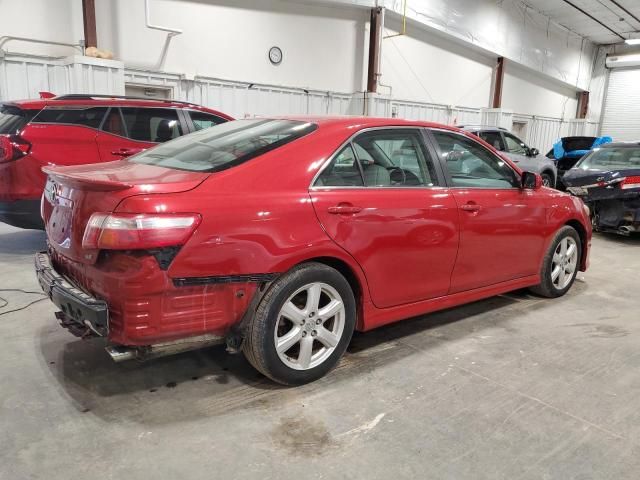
(393, 175)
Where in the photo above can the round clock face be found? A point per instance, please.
(275, 55)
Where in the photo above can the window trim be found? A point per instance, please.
(70, 107)
(443, 166)
(425, 142)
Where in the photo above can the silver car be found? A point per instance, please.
(525, 157)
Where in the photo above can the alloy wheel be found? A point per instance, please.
(310, 325)
(564, 263)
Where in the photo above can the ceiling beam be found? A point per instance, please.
(624, 9)
(593, 18)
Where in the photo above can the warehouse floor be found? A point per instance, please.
(508, 388)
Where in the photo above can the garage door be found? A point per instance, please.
(621, 119)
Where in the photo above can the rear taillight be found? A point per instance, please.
(13, 147)
(123, 231)
(630, 182)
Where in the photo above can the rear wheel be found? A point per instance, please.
(302, 325)
(560, 264)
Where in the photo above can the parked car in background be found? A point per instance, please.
(568, 150)
(281, 236)
(518, 152)
(80, 129)
(608, 180)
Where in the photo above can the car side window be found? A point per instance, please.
(494, 139)
(155, 125)
(343, 171)
(113, 123)
(394, 158)
(202, 120)
(86, 116)
(471, 165)
(515, 145)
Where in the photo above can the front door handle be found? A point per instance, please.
(471, 207)
(344, 209)
(124, 152)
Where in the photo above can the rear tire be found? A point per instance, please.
(560, 264)
(302, 325)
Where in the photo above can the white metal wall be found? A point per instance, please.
(621, 116)
(23, 76)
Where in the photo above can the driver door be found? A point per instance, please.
(382, 199)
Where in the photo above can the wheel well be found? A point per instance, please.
(351, 277)
(582, 233)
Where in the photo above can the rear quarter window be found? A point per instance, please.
(86, 116)
(13, 119)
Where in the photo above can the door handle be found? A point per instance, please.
(471, 207)
(123, 152)
(342, 209)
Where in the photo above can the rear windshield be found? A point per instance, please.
(12, 119)
(225, 145)
(606, 159)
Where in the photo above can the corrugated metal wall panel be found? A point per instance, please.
(621, 116)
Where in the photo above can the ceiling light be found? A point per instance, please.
(632, 41)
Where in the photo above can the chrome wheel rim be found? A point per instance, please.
(309, 326)
(564, 263)
(546, 181)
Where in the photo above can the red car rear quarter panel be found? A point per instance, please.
(257, 217)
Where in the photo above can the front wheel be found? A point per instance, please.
(547, 180)
(302, 326)
(560, 264)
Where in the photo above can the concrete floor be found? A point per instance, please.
(515, 387)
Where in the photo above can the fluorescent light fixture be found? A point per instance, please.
(632, 41)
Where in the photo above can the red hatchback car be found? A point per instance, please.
(79, 129)
(282, 236)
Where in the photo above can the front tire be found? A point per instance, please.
(547, 180)
(560, 264)
(302, 325)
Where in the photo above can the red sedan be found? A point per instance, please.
(282, 236)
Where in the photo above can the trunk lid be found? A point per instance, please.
(594, 184)
(73, 194)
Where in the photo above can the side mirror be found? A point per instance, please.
(531, 181)
(533, 152)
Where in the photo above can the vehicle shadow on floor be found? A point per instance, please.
(211, 382)
(22, 242)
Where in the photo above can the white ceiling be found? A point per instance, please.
(606, 11)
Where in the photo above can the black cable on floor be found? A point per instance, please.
(6, 302)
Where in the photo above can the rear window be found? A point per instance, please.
(225, 145)
(12, 119)
(611, 159)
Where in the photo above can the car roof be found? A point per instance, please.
(359, 123)
(484, 128)
(78, 100)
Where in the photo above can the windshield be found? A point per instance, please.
(225, 145)
(12, 119)
(616, 158)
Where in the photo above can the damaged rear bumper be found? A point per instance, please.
(80, 313)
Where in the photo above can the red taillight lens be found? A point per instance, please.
(630, 182)
(122, 231)
(13, 147)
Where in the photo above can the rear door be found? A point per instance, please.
(130, 130)
(381, 199)
(501, 225)
(65, 135)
